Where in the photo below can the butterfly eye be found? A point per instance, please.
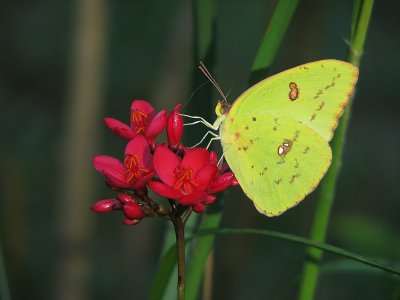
(222, 109)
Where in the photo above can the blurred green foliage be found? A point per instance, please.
(149, 55)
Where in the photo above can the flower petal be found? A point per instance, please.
(112, 169)
(143, 180)
(193, 198)
(143, 106)
(107, 163)
(213, 157)
(165, 163)
(140, 147)
(156, 125)
(118, 181)
(195, 159)
(164, 190)
(222, 182)
(205, 175)
(119, 128)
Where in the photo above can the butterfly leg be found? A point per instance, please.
(204, 137)
(220, 160)
(200, 120)
(213, 139)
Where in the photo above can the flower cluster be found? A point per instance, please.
(188, 178)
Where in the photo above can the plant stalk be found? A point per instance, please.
(180, 246)
(361, 18)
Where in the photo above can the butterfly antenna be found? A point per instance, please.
(230, 90)
(206, 73)
(192, 94)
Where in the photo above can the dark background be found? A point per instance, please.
(54, 247)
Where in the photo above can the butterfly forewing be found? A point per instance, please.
(314, 94)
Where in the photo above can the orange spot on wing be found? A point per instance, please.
(294, 91)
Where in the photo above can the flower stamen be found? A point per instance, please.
(184, 180)
(139, 120)
(134, 170)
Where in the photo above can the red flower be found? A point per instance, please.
(175, 127)
(144, 121)
(134, 172)
(185, 180)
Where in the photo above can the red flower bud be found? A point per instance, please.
(103, 206)
(199, 208)
(133, 211)
(130, 222)
(209, 199)
(125, 198)
(175, 127)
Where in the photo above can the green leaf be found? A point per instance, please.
(272, 39)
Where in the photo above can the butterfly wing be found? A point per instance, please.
(314, 94)
(277, 160)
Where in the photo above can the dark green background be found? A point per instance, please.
(149, 55)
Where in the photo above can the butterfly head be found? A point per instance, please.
(222, 107)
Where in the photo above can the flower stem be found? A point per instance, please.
(180, 246)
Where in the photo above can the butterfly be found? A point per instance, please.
(275, 136)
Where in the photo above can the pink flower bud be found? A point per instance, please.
(175, 127)
(133, 211)
(103, 206)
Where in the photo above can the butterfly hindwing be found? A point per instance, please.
(277, 160)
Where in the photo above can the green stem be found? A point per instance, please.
(361, 18)
(180, 246)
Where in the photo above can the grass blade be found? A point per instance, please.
(361, 18)
(307, 242)
(272, 39)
